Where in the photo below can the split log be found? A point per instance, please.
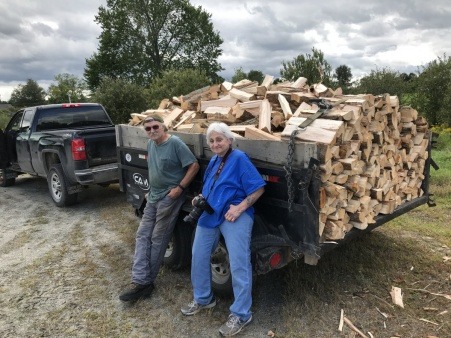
(241, 95)
(253, 133)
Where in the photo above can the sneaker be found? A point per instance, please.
(193, 307)
(233, 325)
(136, 291)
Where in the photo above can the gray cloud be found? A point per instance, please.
(40, 39)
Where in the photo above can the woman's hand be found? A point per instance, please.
(233, 213)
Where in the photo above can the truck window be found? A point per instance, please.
(14, 124)
(71, 117)
(27, 118)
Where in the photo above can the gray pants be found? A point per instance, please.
(152, 238)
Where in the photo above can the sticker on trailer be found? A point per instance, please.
(141, 181)
(128, 157)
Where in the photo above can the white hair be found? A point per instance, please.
(221, 128)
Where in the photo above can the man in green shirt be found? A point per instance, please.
(172, 167)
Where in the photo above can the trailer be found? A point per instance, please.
(286, 226)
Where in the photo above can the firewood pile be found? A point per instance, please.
(372, 151)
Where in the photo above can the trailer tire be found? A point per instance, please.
(178, 252)
(221, 276)
(57, 184)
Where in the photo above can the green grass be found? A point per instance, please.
(409, 252)
(5, 116)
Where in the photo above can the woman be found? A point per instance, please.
(231, 186)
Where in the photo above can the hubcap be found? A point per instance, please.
(220, 265)
(56, 186)
(170, 248)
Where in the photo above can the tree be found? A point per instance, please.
(433, 91)
(311, 66)
(239, 75)
(253, 75)
(121, 98)
(68, 88)
(175, 83)
(343, 75)
(256, 75)
(28, 95)
(381, 81)
(142, 38)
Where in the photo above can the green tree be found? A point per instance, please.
(253, 75)
(239, 75)
(28, 95)
(175, 83)
(121, 98)
(68, 88)
(142, 38)
(256, 75)
(433, 91)
(382, 81)
(343, 75)
(313, 67)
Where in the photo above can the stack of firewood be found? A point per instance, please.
(372, 151)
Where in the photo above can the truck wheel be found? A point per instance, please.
(178, 252)
(6, 182)
(58, 187)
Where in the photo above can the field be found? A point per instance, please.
(61, 271)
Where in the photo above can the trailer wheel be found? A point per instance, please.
(6, 182)
(57, 184)
(178, 252)
(221, 276)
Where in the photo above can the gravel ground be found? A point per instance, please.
(61, 270)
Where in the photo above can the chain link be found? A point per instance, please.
(289, 169)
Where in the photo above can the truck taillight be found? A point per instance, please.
(70, 105)
(78, 149)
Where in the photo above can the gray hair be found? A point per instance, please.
(221, 128)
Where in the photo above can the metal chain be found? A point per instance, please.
(289, 169)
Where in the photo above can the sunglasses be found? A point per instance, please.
(155, 127)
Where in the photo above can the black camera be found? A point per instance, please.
(200, 204)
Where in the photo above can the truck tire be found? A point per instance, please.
(178, 252)
(6, 182)
(57, 184)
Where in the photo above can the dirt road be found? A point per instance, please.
(61, 271)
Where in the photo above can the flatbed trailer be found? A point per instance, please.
(286, 226)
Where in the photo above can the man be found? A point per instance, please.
(172, 167)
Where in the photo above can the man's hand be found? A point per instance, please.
(175, 192)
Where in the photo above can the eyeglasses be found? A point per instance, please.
(155, 127)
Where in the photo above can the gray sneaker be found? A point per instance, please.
(193, 307)
(233, 325)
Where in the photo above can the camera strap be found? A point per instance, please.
(221, 166)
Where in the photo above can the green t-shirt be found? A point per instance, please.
(167, 164)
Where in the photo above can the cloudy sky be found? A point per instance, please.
(42, 38)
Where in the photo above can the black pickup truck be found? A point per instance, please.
(72, 145)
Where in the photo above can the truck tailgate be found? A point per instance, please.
(100, 145)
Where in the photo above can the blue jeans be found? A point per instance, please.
(152, 238)
(237, 236)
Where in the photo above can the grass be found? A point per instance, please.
(297, 301)
(409, 252)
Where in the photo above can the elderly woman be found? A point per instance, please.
(231, 186)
